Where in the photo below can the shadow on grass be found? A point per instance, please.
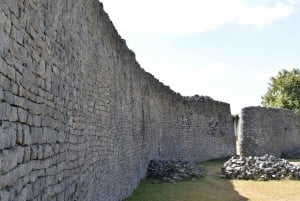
(208, 188)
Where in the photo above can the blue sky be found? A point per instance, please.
(224, 49)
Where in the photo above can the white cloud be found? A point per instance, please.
(176, 17)
(261, 15)
(294, 1)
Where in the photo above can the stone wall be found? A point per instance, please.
(197, 130)
(79, 118)
(268, 131)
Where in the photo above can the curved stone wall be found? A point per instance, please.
(79, 118)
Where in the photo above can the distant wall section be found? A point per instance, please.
(268, 131)
(197, 130)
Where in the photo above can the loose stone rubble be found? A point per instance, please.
(263, 168)
(198, 98)
(171, 171)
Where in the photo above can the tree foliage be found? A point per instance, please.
(284, 91)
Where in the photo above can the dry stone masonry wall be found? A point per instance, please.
(79, 118)
(268, 131)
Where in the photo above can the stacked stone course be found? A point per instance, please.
(79, 118)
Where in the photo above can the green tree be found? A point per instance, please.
(284, 91)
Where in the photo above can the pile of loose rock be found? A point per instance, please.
(197, 98)
(259, 168)
(172, 171)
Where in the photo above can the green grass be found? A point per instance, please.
(212, 188)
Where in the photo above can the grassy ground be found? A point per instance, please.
(212, 188)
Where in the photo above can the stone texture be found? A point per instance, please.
(264, 168)
(79, 118)
(268, 131)
(293, 153)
